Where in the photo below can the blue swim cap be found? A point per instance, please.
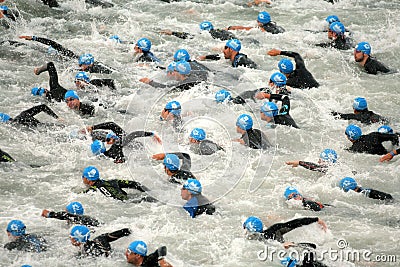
(244, 122)
(337, 27)
(253, 224)
(222, 95)
(270, 109)
(112, 135)
(97, 147)
(174, 107)
(360, 103)
(38, 91)
(353, 132)
(75, 208)
(364, 47)
(181, 54)
(329, 155)
(25, 265)
(171, 67)
(193, 186)
(206, 26)
(198, 134)
(71, 94)
(86, 59)
(290, 190)
(4, 8)
(138, 247)
(4, 117)
(332, 18)
(234, 44)
(264, 17)
(183, 67)
(285, 66)
(82, 76)
(115, 38)
(385, 129)
(16, 228)
(171, 162)
(278, 79)
(91, 173)
(80, 233)
(144, 44)
(347, 184)
(289, 262)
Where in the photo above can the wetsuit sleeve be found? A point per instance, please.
(297, 58)
(213, 57)
(103, 82)
(186, 160)
(324, 45)
(36, 110)
(110, 126)
(5, 157)
(110, 237)
(132, 184)
(285, 102)
(130, 137)
(62, 215)
(50, 3)
(63, 51)
(277, 231)
(375, 194)
(312, 205)
(312, 166)
(183, 35)
(157, 85)
(347, 116)
(387, 137)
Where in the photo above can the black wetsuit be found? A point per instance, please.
(340, 43)
(96, 68)
(239, 60)
(29, 243)
(74, 218)
(56, 92)
(271, 27)
(313, 166)
(205, 147)
(374, 194)
(255, 139)
(199, 204)
(148, 57)
(194, 78)
(372, 66)
(113, 188)
(86, 109)
(372, 143)
(220, 34)
(51, 3)
(5, 157)
(116, 149)
(277, 230)
(300, 77)
(27, 118)
(364, 116)
(283, 117)
(312, 205)
(100, 246)
(181, 175)
(151, 260)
